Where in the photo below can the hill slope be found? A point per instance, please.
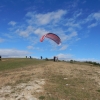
(51, 81)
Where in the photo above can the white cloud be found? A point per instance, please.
(78, 14)
(29, 30)
(65, 56)
(93, 16)
(40, 31)
(25, 32)
(93, 19)
(34, 48)
(13, 23)
(37, 26)
(72, 35)
(72, 22)
(2, 40)
(30, 47)
(43, 19)
(70, 29)
(92, 25)
(68, 37)
(64, 47)
(97, 16)
(53, 16)
(13, 53)
(74, 25)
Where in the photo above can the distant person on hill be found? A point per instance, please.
(0, 58)
(54, 58)
(41, 57)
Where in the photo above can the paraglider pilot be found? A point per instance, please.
(41, 57)
(0, 57)
(54, 58)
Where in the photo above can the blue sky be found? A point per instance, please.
(76, 22)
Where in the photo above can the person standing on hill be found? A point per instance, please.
(54, 58)
(0, 57)
(41, 57)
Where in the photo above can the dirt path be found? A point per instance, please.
(29, 83)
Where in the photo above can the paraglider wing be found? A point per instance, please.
(42, 38)
(52, 36)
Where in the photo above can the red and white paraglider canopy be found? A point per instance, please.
(52, 36)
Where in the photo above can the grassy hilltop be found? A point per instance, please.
(48, 80)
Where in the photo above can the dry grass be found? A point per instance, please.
(72, 82)
(63, 81)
